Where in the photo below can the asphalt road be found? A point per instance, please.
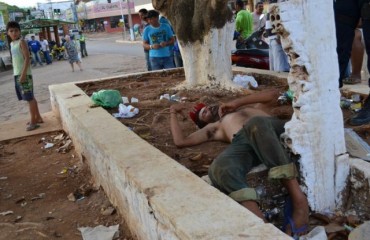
(106, 58)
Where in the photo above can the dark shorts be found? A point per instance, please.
(25, 90)
(258, 142)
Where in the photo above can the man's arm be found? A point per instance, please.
(259, 97)
(208, 133)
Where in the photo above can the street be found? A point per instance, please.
(106, 58)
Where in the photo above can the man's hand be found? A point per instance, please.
(163, 44)
(226, 108)
(22, 79)
(156, 46)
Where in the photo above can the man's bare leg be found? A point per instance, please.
(37, 113)
(300, 204)
(357, 55)
(253, 207)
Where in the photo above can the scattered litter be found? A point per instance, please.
(59, 137)
(126, 111)
(39, 196)
(48, 145)
(18, 218)
(125, 100)
(6, 213)
(107, 98)
(108, 211)
(134, 100)
(66, 147)
(165, 96)
(65, 170)
(286, 97)
(245, 81)
(71, 197)
(360, 232)
(3, 178)
(318, 233)
(196, 157)
(23, 204)
(355, 145)
(173, 98)
(99, 233)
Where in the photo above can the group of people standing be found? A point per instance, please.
(159, 42)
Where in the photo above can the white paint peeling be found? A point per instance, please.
(316, 127)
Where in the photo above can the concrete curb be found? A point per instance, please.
(159, 198)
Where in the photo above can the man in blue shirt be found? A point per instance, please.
(157, 38)
(35, 47)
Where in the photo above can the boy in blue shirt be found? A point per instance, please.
(157, 38)
(35, 47)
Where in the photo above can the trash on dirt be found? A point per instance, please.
(59, 137)
(39, 196)
(108, 211)
(66, 147)
(48, 145)
(126, 111)
(6, 213)
(318, 233)
(125, 100)
(165, 96)
(18, 218)
(19, 200)
(23, 204)
(286, 97)
(134, 100)
(196, 157)
(99, 232)
(360, 232)
(173, 98)
(107, 98)
(356, 146)
(3, 178)
(71, 197)
(345, 103)
(245, 81)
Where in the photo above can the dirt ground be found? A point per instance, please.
(46, 194)
(152, 124)
(38, 195)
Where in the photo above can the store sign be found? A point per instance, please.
(108, 9)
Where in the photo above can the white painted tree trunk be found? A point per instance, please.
(316, 127)
(208, 63)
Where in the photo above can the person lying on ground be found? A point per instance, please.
(253, 135)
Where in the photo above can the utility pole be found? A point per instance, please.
(132, 35)
(123, 21)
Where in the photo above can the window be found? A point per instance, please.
(115, 22)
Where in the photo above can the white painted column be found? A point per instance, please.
(208, 63)
(316, 128)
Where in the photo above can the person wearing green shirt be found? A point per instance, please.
(243, 24)
(83, 45)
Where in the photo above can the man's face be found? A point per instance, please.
(259, 8)
(154, 21)
(14, 33)
(209, 114)
(142, 16)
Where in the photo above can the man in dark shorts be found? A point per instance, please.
(254, 138)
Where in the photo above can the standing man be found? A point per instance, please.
(45, 50)
(35, 47)
(158, 38)
(83, 44)
(143, 16)
(257, 22)
(243, 24)
(347, 14)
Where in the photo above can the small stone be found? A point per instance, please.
(71, 197)
(3, 178)
(18, 218)
(108, 211)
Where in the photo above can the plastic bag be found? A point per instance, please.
(245, 81)
(107, 98)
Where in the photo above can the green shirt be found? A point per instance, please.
(244, 23)
(17, 58)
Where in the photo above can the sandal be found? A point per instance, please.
(351, 80)
(32, 127)
(288, 221)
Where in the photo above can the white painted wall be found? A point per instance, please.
(316, 128)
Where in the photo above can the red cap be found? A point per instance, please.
(194, 115)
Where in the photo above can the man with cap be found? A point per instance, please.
(254, 138)
(157, 38)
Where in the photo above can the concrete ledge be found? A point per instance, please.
(159, 198)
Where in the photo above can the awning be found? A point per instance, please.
(41, 22)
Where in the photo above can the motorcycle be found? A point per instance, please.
(255, 54)
(58, 52)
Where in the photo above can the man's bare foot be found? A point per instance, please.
(298, 222)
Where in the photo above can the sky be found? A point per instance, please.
(23, 3)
